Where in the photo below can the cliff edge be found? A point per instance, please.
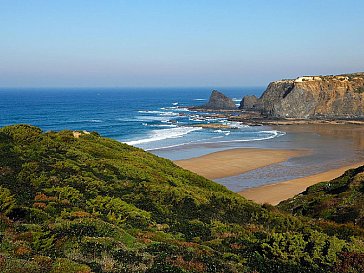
(340, 96)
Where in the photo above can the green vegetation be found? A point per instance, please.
(340, 200)
(91, 204)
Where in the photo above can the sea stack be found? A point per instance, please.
(249, 103)
(218, 101)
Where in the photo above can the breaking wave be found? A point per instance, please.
(162, 134)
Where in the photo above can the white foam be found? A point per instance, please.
(175, 103)
(199, 99)
(165, 125)
(159, 113)
(169, 108)
(169, 114)
(162, 134)
(226, 133)
(196, 118)
(151, 118)
(236, 124)
(184, 109)
(175, 108)
(273, 133)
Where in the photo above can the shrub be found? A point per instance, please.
(118, 211)
(7, 201)
(62, 265)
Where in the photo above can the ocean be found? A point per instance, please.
(157, 120)
(149, 118)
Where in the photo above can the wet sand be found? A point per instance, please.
(306, 155)
(275, 193)
(236, 161)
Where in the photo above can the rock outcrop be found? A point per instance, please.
(249, 103)
(218, 101)
(339, 96)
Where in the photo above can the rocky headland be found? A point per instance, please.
(320, 97)
(304, 100)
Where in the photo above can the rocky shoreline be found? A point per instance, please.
(304, 100)
(263, 121)
(255, 118)
(340, 96)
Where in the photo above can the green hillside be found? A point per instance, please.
(340, 200)
(91, 204)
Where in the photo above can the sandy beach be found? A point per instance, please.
(275, 193)
(236, 161)
(308, 153)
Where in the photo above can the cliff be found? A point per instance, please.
(339, 96)
(218, 101)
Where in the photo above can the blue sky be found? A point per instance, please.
(95, 43)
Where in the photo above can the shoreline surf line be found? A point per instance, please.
(277, 192)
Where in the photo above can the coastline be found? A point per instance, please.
(236, 161)
(278, 169)
(255, 118)
(275, 193)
